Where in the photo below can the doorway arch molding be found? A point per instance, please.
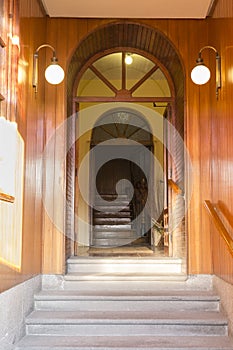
(141, 38)
(133, 35)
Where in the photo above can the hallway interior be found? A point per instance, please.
(73, 277)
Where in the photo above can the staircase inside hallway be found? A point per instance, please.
(112, 221)
(124, 304)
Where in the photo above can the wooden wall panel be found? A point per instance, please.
(223, 9)
(196, 141)
(31, 8)
(31, 120)
(29, 114)
(221, 32)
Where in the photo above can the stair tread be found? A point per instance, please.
(114, 235)
(72, 275)
(111, 201)
(163, 295)
(112, 219)
(78, 276)
(111, 207)
(35, 342)
(119, 213)
(124, 317)
(122, 260)
(116, 227)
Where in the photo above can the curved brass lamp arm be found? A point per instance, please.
(199, 60)
(35, 64)
(208, 47)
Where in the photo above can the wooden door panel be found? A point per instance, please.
(109, 175)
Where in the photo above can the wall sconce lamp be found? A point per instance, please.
(201, 74)
(54, 73)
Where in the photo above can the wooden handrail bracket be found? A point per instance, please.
(6, 197)
(219, 225)
(174, 186)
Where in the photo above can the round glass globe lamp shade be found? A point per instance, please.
(200, 74)
(128, 59)
(54, 74)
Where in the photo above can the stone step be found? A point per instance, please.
(124, 343)
(120, 227)
(126, 300)
(112, 221)
(111, 242)
(175, 282)
(120, 214)
(114, 202)
(111, 208)
(73, 281)
(120, 267)
(35, 342)
(122, 323)
(112, 197)
(131, 234)
(127, 315)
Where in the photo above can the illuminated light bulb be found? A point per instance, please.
(15, 40)
(200, 74)
(21, 75)
(128, 59)
(54, 74)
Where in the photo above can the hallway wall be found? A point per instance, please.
(29, 114)
(221, 141)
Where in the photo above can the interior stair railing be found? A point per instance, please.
(212, 210)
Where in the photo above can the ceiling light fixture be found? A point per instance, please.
(201, 74)
(128, 59)
(54, 73)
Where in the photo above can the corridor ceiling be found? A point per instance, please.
(128, 9)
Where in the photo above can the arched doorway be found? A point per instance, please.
(149, 44)
(122, 171)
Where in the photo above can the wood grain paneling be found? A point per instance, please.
(221, 31)
(31, 8)
(223, 9)
(21, 105)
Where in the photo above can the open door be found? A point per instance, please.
(167, 170)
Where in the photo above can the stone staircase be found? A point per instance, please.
(124, 314)
(112, 222)
(122, 269)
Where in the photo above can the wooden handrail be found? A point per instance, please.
(174, 186)
(220, 226)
